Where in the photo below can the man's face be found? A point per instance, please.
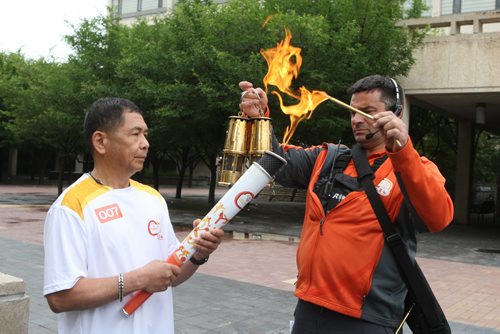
(127, 145)
(370, 103)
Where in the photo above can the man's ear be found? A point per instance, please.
(99, 139)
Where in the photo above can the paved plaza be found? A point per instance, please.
(247, 285)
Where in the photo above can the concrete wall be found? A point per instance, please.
(456, 72)
(14, 305)
(456, 64)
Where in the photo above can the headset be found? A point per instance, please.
(398, 107)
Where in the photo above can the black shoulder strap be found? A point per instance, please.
(334, 162)
(414, 217)
(412, 274)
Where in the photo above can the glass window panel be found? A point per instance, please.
(129, 6)
(149, 4)
(446, 7)
(469, 6)
(428, 11)
(228, 163)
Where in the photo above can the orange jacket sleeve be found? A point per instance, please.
(425, 186)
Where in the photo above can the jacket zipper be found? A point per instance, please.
(321, 225)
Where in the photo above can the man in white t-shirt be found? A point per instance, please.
(106, 236)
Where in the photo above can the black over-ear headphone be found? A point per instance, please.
(398, 107)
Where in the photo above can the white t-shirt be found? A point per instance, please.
(95, 231)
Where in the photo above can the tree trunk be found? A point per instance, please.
(190, 176)
(182, 171)
(42, 160)
(60, 174)
(180, 180)
(213, 180)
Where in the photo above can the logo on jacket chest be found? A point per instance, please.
(384, 187)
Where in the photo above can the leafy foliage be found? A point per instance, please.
(183, 69)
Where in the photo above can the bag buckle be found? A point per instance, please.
(393, 237)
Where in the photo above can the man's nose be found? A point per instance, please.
(356, 118)
(145, 143)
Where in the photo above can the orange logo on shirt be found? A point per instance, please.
(108, 213)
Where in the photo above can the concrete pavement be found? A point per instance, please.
(248, 282)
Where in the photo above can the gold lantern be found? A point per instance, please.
(260, 139)
(235, 151)
(246, 141)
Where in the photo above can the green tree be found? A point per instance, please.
(342, 41)
(183, 70)
(96, 43)
(11, 84)
(47, 115)
(185, 67)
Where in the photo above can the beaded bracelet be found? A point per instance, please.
(120, 286)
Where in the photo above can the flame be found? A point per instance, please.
(303, 110)
(284, 62)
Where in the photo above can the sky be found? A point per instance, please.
(37, 27)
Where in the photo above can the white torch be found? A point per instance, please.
(236, 198)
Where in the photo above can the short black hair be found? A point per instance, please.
(386, 87)
(105, 114)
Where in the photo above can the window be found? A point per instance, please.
(150, 4)
(116, 5)
(129, 6)
(469, 6)
(446, 7)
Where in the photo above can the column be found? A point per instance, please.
(464, 171)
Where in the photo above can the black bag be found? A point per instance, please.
(417, 320)
(423, 314)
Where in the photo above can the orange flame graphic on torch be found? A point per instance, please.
(284, 62)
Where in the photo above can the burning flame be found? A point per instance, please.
(284, 62)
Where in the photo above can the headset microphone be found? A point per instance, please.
(370, 135)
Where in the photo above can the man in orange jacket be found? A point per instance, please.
(348, 281)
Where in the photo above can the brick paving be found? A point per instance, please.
(248, 284)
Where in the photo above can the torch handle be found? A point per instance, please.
(141, 296)
(137, 300)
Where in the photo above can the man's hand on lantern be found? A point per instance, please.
(392, 128)
(208, 242)
(253, 100)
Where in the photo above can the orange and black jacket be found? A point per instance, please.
(342, 260)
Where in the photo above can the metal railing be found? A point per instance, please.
(454, 24)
